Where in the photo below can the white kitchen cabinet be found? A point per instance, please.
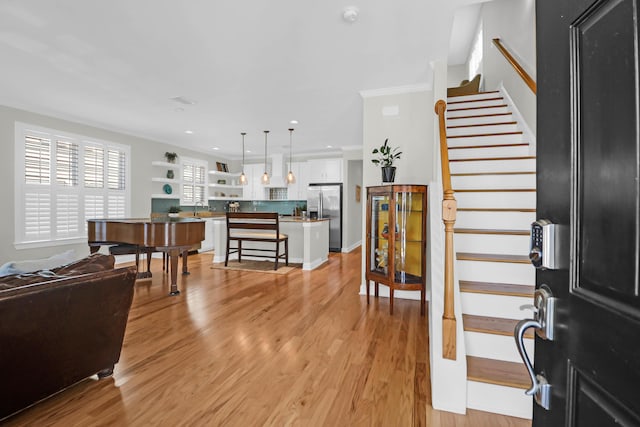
(254, 190)
(298, 190)
(324, 170)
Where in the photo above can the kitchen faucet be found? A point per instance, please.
(195, 208)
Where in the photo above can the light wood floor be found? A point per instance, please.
(251, 349)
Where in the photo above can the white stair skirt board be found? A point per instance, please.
(485, 139)
(492, 243)
(480, 119)
(490, 346)
(457, 112)
(503, 306)
(495, 272)
(478, 166)
(499, 399)
(486, 128)
(495, 220)
(484, 102)
(494, 181)
(496, 199)
(488, 152)
(481, 95)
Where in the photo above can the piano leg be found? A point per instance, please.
(173, 260)
(185, 256)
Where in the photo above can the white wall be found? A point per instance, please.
(513, 21)
(352, 218)
(143, 152)
(456, 74)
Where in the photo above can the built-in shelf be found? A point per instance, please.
(231, 186)
(225, 198)
(165, 164)
(225, 174)
(167, 180)
(165, 196)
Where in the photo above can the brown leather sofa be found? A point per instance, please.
(59, 327)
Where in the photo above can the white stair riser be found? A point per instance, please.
(491, 243)
(486, 199)
(506, 307)
(497, 272)
(491, 346)
(518, 165)
(482, 95)
(480, 119)
(495, 220)
(498, 399)
(485, 140)
(487, 152)
(473, 130)
(493, 181)
(484, 102)
(476, 111)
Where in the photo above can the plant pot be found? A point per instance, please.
(388, 173)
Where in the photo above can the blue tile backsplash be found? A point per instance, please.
(283, 207)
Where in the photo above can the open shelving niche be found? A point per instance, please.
(235, 188)
(175, 183)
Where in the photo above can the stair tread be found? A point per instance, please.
(493, 158)
(492, 325)
(491, 231)
(494, 190)
(496, 209)
(506, 289)
(478, 108)
(471, 94)
(499, 372)
(494, 173)
(469, 256)
(467, 147)
(497, 98)
(482, 124)
(479, 116)
(482, 135)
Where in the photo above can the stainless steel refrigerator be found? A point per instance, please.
(325, 201)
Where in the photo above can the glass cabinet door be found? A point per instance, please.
(379, 244)
(408, 262)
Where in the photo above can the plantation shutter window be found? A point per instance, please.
(67, 180)
(194, 179)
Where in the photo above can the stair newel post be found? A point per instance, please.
(449, 208)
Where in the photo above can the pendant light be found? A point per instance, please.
(243, 177)
(265, 176)
(291, 179)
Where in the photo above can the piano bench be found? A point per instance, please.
(128, 249)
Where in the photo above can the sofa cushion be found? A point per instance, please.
(92, 264)
(28, 266)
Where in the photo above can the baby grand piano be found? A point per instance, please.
(170, 235)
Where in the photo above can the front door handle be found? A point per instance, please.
(540, 388)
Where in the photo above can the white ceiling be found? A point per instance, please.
(249, 65)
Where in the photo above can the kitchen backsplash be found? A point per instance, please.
(283, 207)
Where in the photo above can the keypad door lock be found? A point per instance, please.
(549, 245)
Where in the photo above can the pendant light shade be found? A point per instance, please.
(291, 179)
(265, 176)
(243, 177)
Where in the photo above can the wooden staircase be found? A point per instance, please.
(493, 175)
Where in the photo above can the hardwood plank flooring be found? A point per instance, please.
(240, 348)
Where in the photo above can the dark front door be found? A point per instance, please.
(587, 53)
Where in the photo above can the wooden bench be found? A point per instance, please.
(256, 227)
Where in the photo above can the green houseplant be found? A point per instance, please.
(171, 157)
(174, 211)
(385, 158)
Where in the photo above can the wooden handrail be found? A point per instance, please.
(516, 66)
(449, 207)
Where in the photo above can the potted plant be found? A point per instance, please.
(386, 157)
(174, 211)
(171, 157)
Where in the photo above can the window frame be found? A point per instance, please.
(53, 189)
(193, 162)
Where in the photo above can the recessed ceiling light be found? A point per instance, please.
(215, 148)
(248, 151)
(294, 122)
(350, 14)
(329, 146)
(188, 132)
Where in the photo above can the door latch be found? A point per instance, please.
(543, 322)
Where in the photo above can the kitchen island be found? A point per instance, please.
(308, 240)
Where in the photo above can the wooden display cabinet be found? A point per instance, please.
(397, 239)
